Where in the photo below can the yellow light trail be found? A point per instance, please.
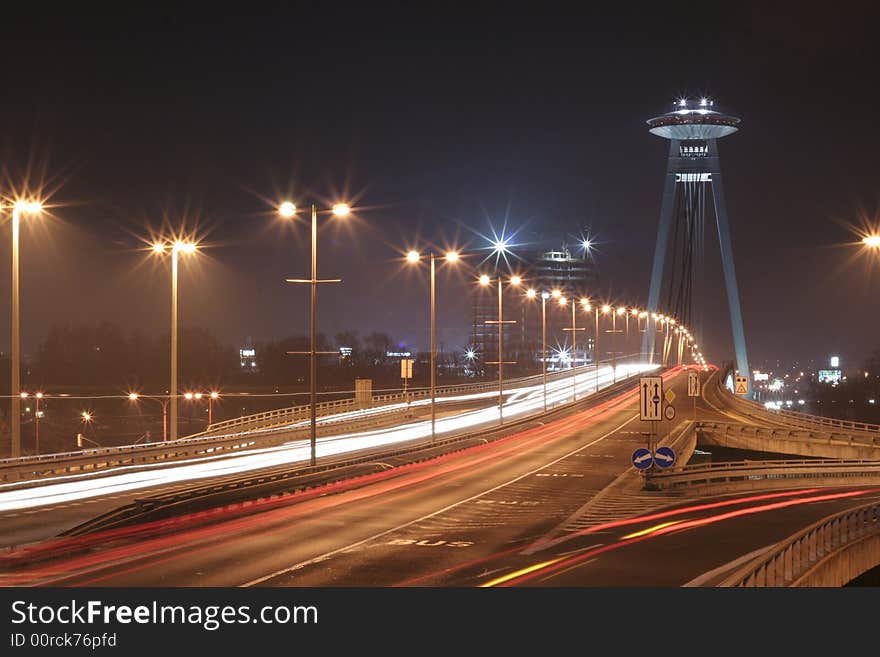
(518, 573)
(642, 532)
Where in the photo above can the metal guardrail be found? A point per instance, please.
(208, 444)
(282, 416)
(101, 459)
(794, 556)
(729, 428)
(707, 474)
(806, 420)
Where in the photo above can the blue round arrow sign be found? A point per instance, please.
(664, 457)
(642, 458)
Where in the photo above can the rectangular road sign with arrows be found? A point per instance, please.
(651, 398)
(693, 384)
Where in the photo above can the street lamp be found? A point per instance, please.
(134, 396)
(19, 208)
(872, 241)
(574, 329)
(531, 293)
(211, 397)
(288, 211)
(176, 247)
(451, 257)
(37, 397)
(485, 280)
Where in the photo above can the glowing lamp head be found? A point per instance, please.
(287, 209)
(86, 416)
(133, 396)
(621, 311)
(23, 395)
(198, 395)
(28, 207)
(215, 395)
(531, 293)
(515, 280)
(635, 312)
(452, 256)
(39, 395)
(158, 247)
(545, 295)
(563, 301)
(485, 280)
(470, 354)
(606, 309)
(341, 210)
(585, 302)
(872, 241)
(187, 395)
(587, 245)
(413, 256)
(556, 294)
(499, 246)
(185, 247)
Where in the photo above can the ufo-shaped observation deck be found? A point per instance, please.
(693, 120)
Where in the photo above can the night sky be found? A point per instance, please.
(439, 123)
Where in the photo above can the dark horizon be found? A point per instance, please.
(436, 130)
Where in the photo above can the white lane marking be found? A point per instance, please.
(326, 555)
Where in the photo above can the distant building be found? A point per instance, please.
(248, 357)
(545, 268)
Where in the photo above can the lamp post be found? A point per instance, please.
(531, 294)
(134, 396)
(288, 210)
(574, 329)
(19, 208)
(414, 257)
(176, 247)
(515, 281)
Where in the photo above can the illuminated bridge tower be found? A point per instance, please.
(693, 176)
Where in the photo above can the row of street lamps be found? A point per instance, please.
(414, 257)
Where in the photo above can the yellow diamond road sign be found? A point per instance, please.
(670, 396)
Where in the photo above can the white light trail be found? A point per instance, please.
(519, 402)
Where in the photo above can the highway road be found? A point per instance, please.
(37, 511)
(461, 519)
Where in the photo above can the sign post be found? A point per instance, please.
(651, 404)
(406, 374)
(694, 389)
